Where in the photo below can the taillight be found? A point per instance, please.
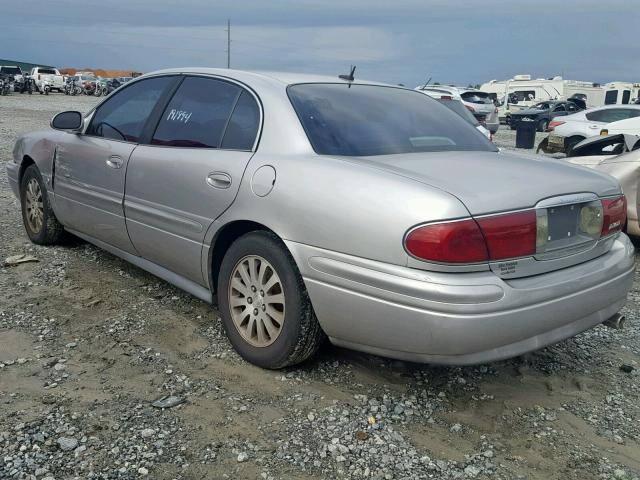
(460, 241)
(615, 215)
(475, 240)
(470, 108)
(446, 97)
(553, 124)
(38, 76)
(510, 235)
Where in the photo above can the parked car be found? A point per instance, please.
(124, 79)
(14, 71)
(54, 77)
(542, 113)
(453, 102)
(310, 206)
(619, 156)
(480, 104)
(572, 129)
(483, 108)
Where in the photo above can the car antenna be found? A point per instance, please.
(350, 77)
(425, 85)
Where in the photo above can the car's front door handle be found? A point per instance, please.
(114, 161)
(219, 180)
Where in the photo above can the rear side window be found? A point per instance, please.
(198, 113)
(612, 114)
(11, 70)
(123, 116)
(626, 95)
(243, 124)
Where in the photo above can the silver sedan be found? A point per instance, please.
(309, 207)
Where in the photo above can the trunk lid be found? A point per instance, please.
(492, 183)
(488, 182)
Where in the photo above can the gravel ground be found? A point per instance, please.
(87, 342)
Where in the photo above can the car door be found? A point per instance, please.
(558, 111)
(189, 172)
(90, 168)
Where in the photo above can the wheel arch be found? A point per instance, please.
(224, 238)
(27, 161)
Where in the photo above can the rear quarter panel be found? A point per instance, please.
(339, 206)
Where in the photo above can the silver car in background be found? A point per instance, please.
(619, 156)
(309, 207)
(480, 104)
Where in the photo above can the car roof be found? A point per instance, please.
(608, 107)
(283, 78)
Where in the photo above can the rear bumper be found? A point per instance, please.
(461, 318)
(12, 174)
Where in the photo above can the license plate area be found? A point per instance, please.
(568, 228)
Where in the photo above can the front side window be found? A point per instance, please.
(359, 120)
(198, 113)
(123, 116)
(560, 108)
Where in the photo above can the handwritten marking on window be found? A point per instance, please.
(179, 116)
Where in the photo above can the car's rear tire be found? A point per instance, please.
(265, 307)
(542, 125)
(40, 222)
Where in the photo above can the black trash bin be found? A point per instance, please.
(526, 133)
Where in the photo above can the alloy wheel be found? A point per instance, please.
(34, 206)
(256, 301)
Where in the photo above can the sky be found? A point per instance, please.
(402, 41)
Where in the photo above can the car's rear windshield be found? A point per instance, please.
(362, 120)
(477, 97)
(10, 70)
(46, 71)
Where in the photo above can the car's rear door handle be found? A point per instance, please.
(219, 180)
(114, 161)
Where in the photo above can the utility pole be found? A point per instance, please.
(228, 43)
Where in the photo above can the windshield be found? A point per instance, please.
(477, 97)
(11, 70)
(360, 120)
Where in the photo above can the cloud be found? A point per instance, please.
(453, 41)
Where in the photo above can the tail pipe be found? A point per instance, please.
(616, 321)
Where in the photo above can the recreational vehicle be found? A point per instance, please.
(521, 92)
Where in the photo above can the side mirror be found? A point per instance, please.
(69, 121)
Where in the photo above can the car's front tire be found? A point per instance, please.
(40, 222)
(265, 307)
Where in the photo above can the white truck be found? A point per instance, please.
(53, 75)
